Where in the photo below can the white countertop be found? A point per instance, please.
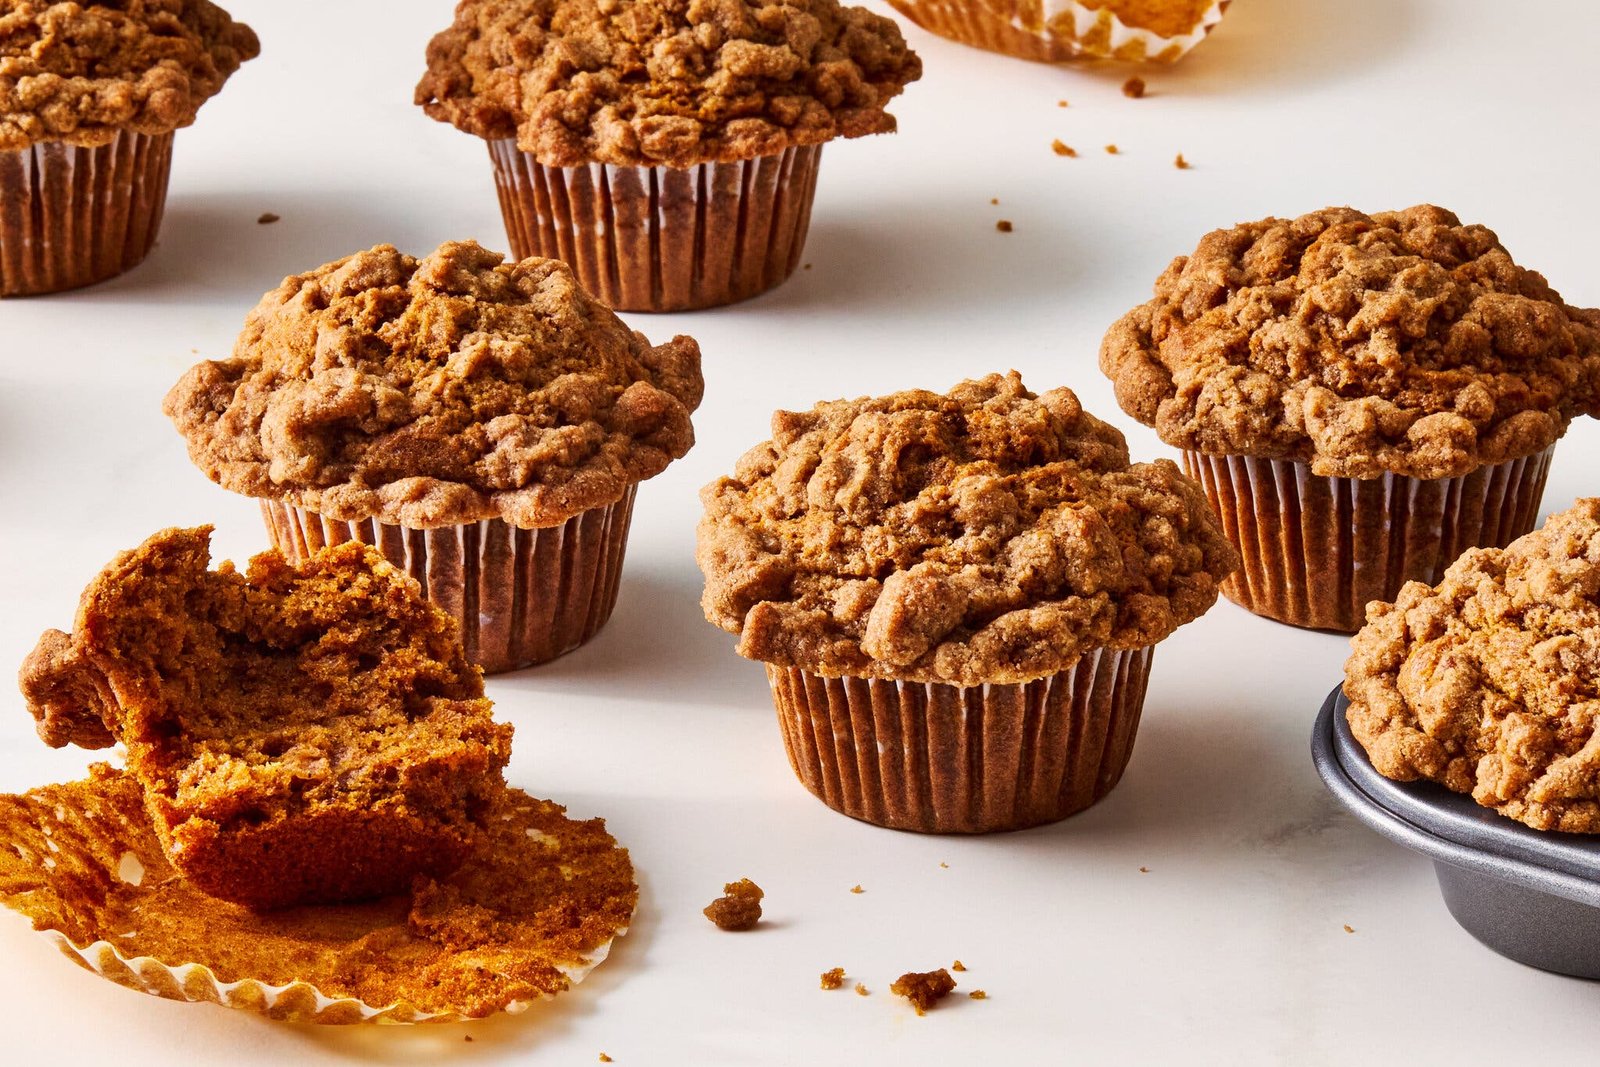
(1232, 948)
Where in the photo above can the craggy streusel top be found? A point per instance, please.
(983, 535)
(1490, 683)
(674, 82)
(1400, 342)
(439, 391)
(83, 72)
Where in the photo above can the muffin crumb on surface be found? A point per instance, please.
(739, 908)
(833, 979)
(1133, 88)
(923, 989)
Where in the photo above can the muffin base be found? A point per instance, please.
(71, 217)
(1316, 550)
(661, 238)
(1052, 31)
(521, 597)
(946, 759)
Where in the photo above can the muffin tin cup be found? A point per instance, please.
(1317, 550)
(71, 216)
(946, 759)
(1532, 896)
(521, 596)
(1051, 31)
(662, 238)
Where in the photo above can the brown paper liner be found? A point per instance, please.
(661, 238)
(945, 759)
(70, 216)
(1316, 550)
(520, 596)
(1052, 31)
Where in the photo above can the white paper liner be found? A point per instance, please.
(1054, 30)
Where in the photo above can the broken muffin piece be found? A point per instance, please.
(303, 735)
(923, 988)
(739, 908)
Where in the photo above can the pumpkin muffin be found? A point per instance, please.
(667, 150)
(1161, 31)
(483, 424)
(956, 597)
(90, 95)
(1489, 682)
(1363, 397)
(302, 735)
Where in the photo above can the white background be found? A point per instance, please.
(1232, 948)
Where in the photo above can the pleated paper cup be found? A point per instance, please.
(1051, 31)
(662, 238)
(71, 216)
(947, 759)
(1317, 550)
(521, 596)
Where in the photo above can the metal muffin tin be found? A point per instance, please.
(1531, 895)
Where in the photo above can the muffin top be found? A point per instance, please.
(438, 391)
(674, 82)
(84, 72)
(986, 535)
(1401, 342)
(1490, 683)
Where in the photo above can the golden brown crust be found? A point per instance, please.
(83, 72)
(302, 734)
(986, 535)
(1401, 342)
(439, 391)
(675, 82)
(1490, 682)
(540, 900)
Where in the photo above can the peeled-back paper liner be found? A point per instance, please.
(520, 596)
(1316, 550)
(662, 238)
(83, 857)
(71, 216)
(1051, 31)
(938, 758)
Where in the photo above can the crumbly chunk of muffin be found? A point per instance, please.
(1401, 342)
(303, 735)
(923, 989)
(83, 72)
(439, 391)
(739, 907)
(1490, 682)
(832, 979)
(675, 82)
(985, 535)
(1169, 18)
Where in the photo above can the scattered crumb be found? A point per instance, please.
(267, 218)
(1004, 226)
(1061, 103)
(194, 351)
(833, 979)
(1144, 870)
(862, 991)
(945, 865)
(857, 889)
(807, 267)
(1133, 88)
(1112, 150)
(958, 966)
(923, 988)
(1349, 929)
(466, 1037)
(739, 908)
(978, 994)
(994, 200)
(604, 1058)
(1180, 162)
(1061, 149)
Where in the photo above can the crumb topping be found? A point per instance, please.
(438, 391)
(982, 535)
(675, 82)
(279, 719)
(739, 908)
(1489, 683)
(83, 72)
(923, 989)
(1401, 342)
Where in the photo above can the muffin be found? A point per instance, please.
(1159, 31)
(1489, 682)
(667, 151)
(301, 735)
(1363, 396)
(957, 597)
(90, 95)
(482, 424)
